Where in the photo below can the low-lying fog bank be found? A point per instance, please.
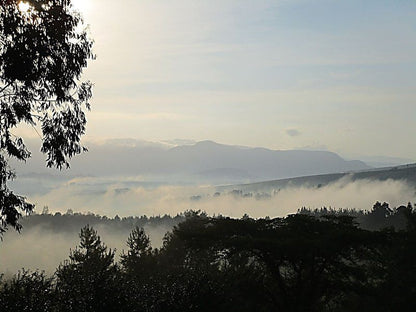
(40, 247)
(85, 195)
(44, 249)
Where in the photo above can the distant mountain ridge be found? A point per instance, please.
(260, 162)
(204, 161)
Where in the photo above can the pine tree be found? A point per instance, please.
(139, 255)
(88, 281)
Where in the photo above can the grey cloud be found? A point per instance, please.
(293, 132)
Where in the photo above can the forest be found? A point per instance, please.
(315, 260)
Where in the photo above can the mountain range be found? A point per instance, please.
(204, 161)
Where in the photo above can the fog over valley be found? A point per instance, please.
(42, 247)
(130, 177)
(134, 178)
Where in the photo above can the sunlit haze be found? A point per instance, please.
(336, 75)
(83, 5)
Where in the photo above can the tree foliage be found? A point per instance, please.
(43, 51)
(87, 281)
(27, 291)
(139, 255)
(297, 263)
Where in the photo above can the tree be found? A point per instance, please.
(298, 263)
(139, 268)
(88, 281)
(26, 291)
(139, 256)
(43, 51)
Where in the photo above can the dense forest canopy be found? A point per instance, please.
(380, 216)
(311, 261)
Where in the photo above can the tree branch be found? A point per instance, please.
(5, 87)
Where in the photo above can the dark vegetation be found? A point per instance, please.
(43, 52)
(381, 216)
(311, 261)
(71, 222)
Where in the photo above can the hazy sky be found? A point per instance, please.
(285, 74)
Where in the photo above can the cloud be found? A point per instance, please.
(138, 117)
(293, 132)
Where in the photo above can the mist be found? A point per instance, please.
(40, 248)
(83, 195)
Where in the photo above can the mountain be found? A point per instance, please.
(259, 162)
(204, 161)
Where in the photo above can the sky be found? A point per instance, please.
(322, 74)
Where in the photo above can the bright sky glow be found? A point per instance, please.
(24, 6)
(337, 75)
(82, 5)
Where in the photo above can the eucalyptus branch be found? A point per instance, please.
(8, 95)
(5, 87)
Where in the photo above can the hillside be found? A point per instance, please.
(405, 173)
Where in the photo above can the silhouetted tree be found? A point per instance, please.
(138, 266)
(178, 281)
(139, 255)
(88, 281)
(27, 291)
(396, 290)
(410, 214)
(43, 52)
(299, 263)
